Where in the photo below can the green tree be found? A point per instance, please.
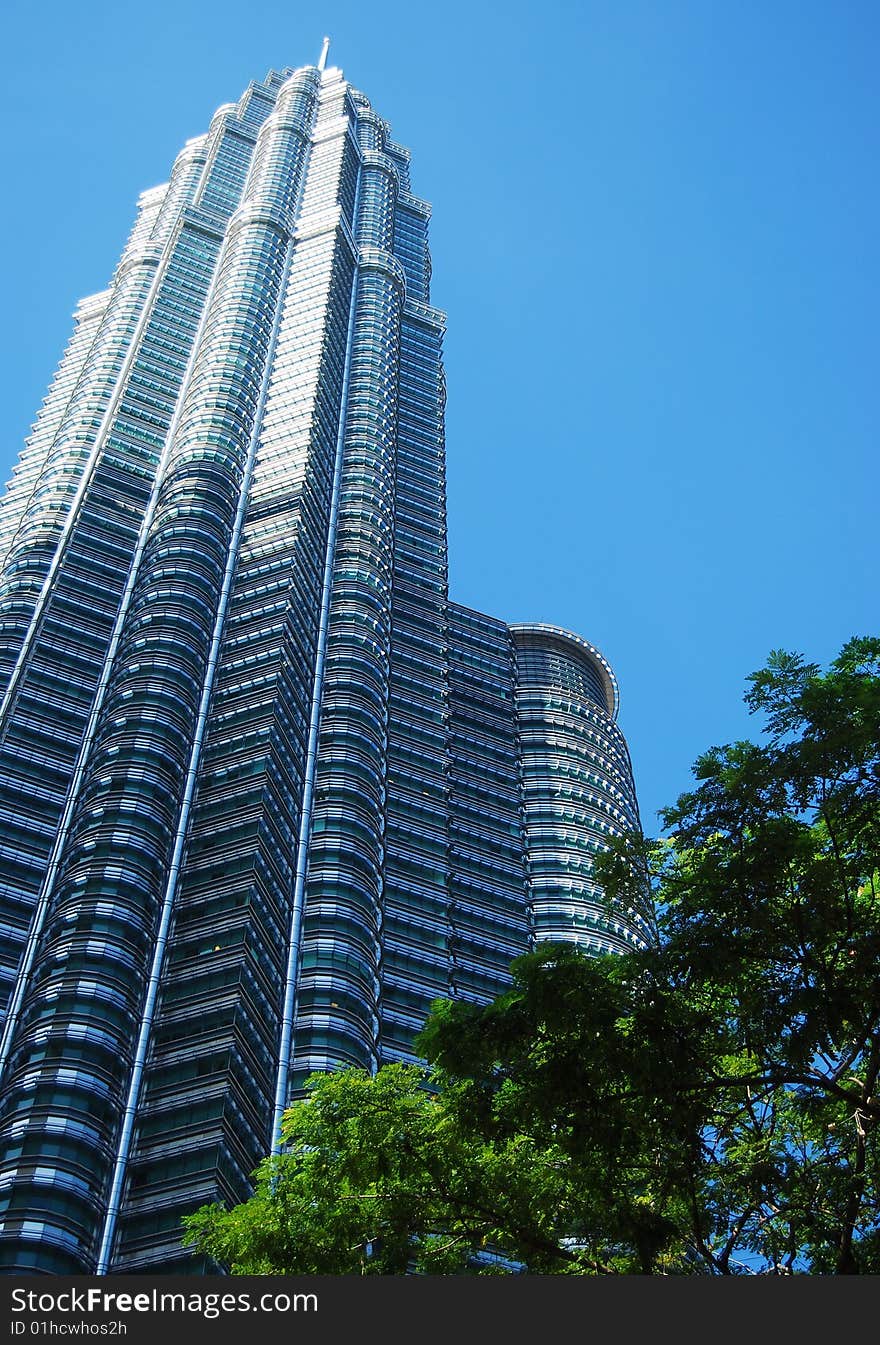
(769, 919)
(592, 1058)
(706, 1105)
(378, 1177)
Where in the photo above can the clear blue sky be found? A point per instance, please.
(655, 233)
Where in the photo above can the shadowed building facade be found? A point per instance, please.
(266, 793)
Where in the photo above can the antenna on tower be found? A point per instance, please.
(322, 61)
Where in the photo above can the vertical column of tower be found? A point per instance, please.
(415, 963)
(205, 1117)
(84, 546)
(488, 914)
(66, 629)
(60, 453)
(28, 475)
(68, 458)
(230, 148)
(87, 319)
(337, 1020)
(62, 450)
(578, 788)
(114, 872)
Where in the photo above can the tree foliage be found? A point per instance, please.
(709, 1104)
(377, 1177)
(769, 917)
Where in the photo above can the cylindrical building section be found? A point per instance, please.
(577, 786)
(337, 995)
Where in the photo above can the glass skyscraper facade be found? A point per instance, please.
(266, 792)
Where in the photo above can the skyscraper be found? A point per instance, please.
(266, 792)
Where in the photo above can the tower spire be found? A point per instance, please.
(322, 60)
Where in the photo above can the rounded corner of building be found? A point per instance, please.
(565, 643)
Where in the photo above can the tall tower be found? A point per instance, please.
(266, 793)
